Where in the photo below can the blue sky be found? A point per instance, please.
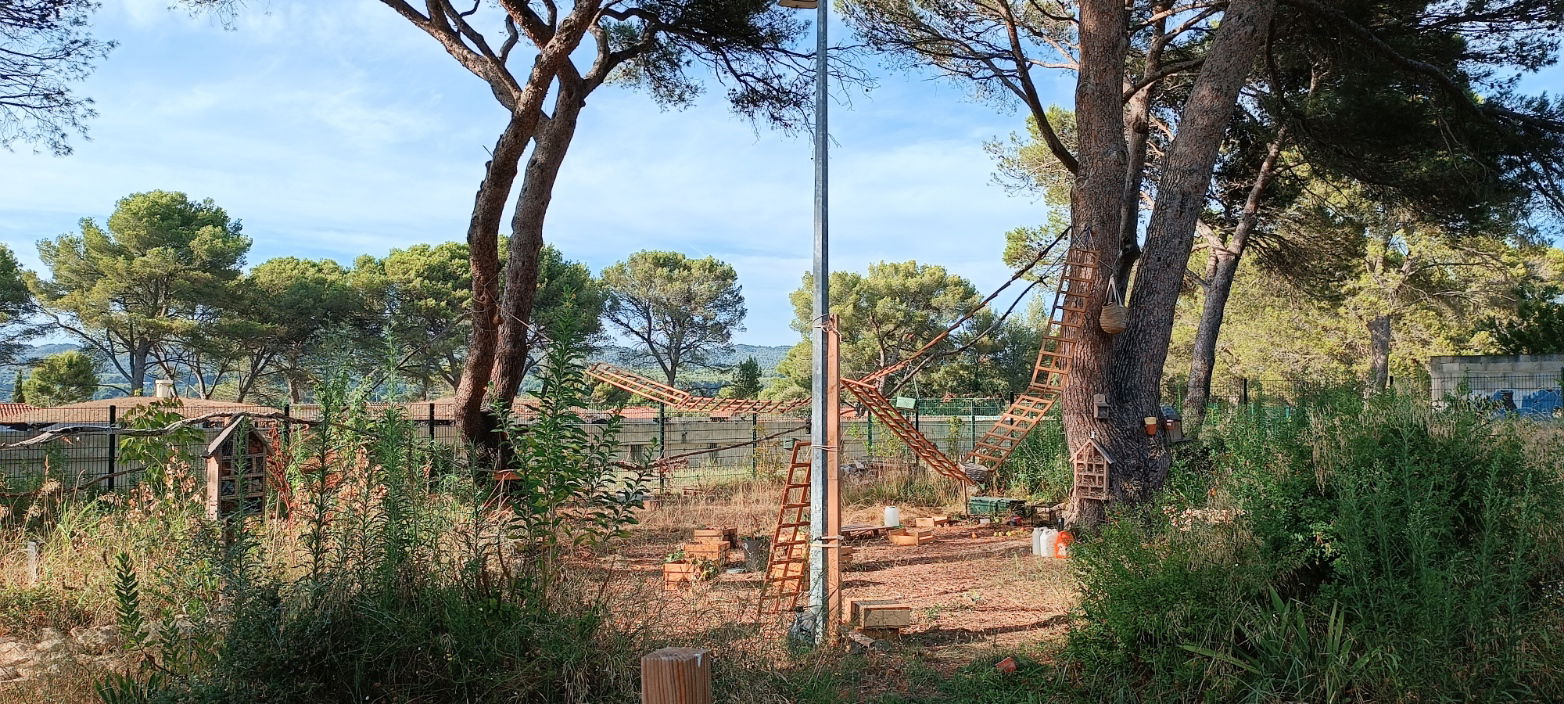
(332, 128)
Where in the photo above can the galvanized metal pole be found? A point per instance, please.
(113, 442)
(820, 403)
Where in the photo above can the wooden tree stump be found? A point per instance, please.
(676, 676)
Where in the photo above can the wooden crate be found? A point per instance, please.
(716, 552)
(883, 616)
(717, 535)
(853, 614)
(675, 574)
(930, 521)
(908, 537)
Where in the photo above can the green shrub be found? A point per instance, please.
(1341, 550)
(1040, 466)
(388, 591)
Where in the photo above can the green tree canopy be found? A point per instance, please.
(884, 315)
(1537, 324)
(746, 380)
(59, 379)
(677, 311)
(291, 305)
(16, 303)
(425, 292)
(125, 288)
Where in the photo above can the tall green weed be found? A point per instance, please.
(1345, 549)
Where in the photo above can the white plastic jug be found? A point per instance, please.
(1043, 540)
(892, 516)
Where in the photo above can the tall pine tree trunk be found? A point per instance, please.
(526, 242)
(484, 261)
(1379, 351)
(1219, 288)
(1127, 369)
(139, 361)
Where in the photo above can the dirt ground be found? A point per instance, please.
(974, 589)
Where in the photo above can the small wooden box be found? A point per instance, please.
(730, 536)
(676, 574)
(716, 552)
(908, 537)
(930, 521)
(853, 614)
(877, 616)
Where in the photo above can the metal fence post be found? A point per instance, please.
(431, 421)
(754, 440)
(1243, 391)
(869, 443)
(113, 446)
(287, 425)
(662, 444)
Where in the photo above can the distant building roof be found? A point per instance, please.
(97, 410)
(8, 409)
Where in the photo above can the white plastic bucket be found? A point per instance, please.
(892, 516)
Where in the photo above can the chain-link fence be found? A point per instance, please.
(1529, 395)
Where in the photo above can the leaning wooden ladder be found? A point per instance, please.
(882, 408)
(684, 400)
(1066, 322)
(785, 570)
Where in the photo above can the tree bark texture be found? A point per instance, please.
(526, 242)
(483, 253)
(526, 111)
(1127, 368)
(1096, 211)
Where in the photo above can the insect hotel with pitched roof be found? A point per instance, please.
(236, 471)
(1090, 462)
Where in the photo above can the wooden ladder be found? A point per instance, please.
(637, 384)
(789, 560)
(1065, 324)
(921, 446)
(683, 400)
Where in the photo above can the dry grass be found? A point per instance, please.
(975, 590)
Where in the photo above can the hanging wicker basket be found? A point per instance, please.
(1115, 318)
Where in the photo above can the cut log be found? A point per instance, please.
(676, 676)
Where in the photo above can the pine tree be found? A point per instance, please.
(746, 379)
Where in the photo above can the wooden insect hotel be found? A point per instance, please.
(1091, 463)
(236, 471)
